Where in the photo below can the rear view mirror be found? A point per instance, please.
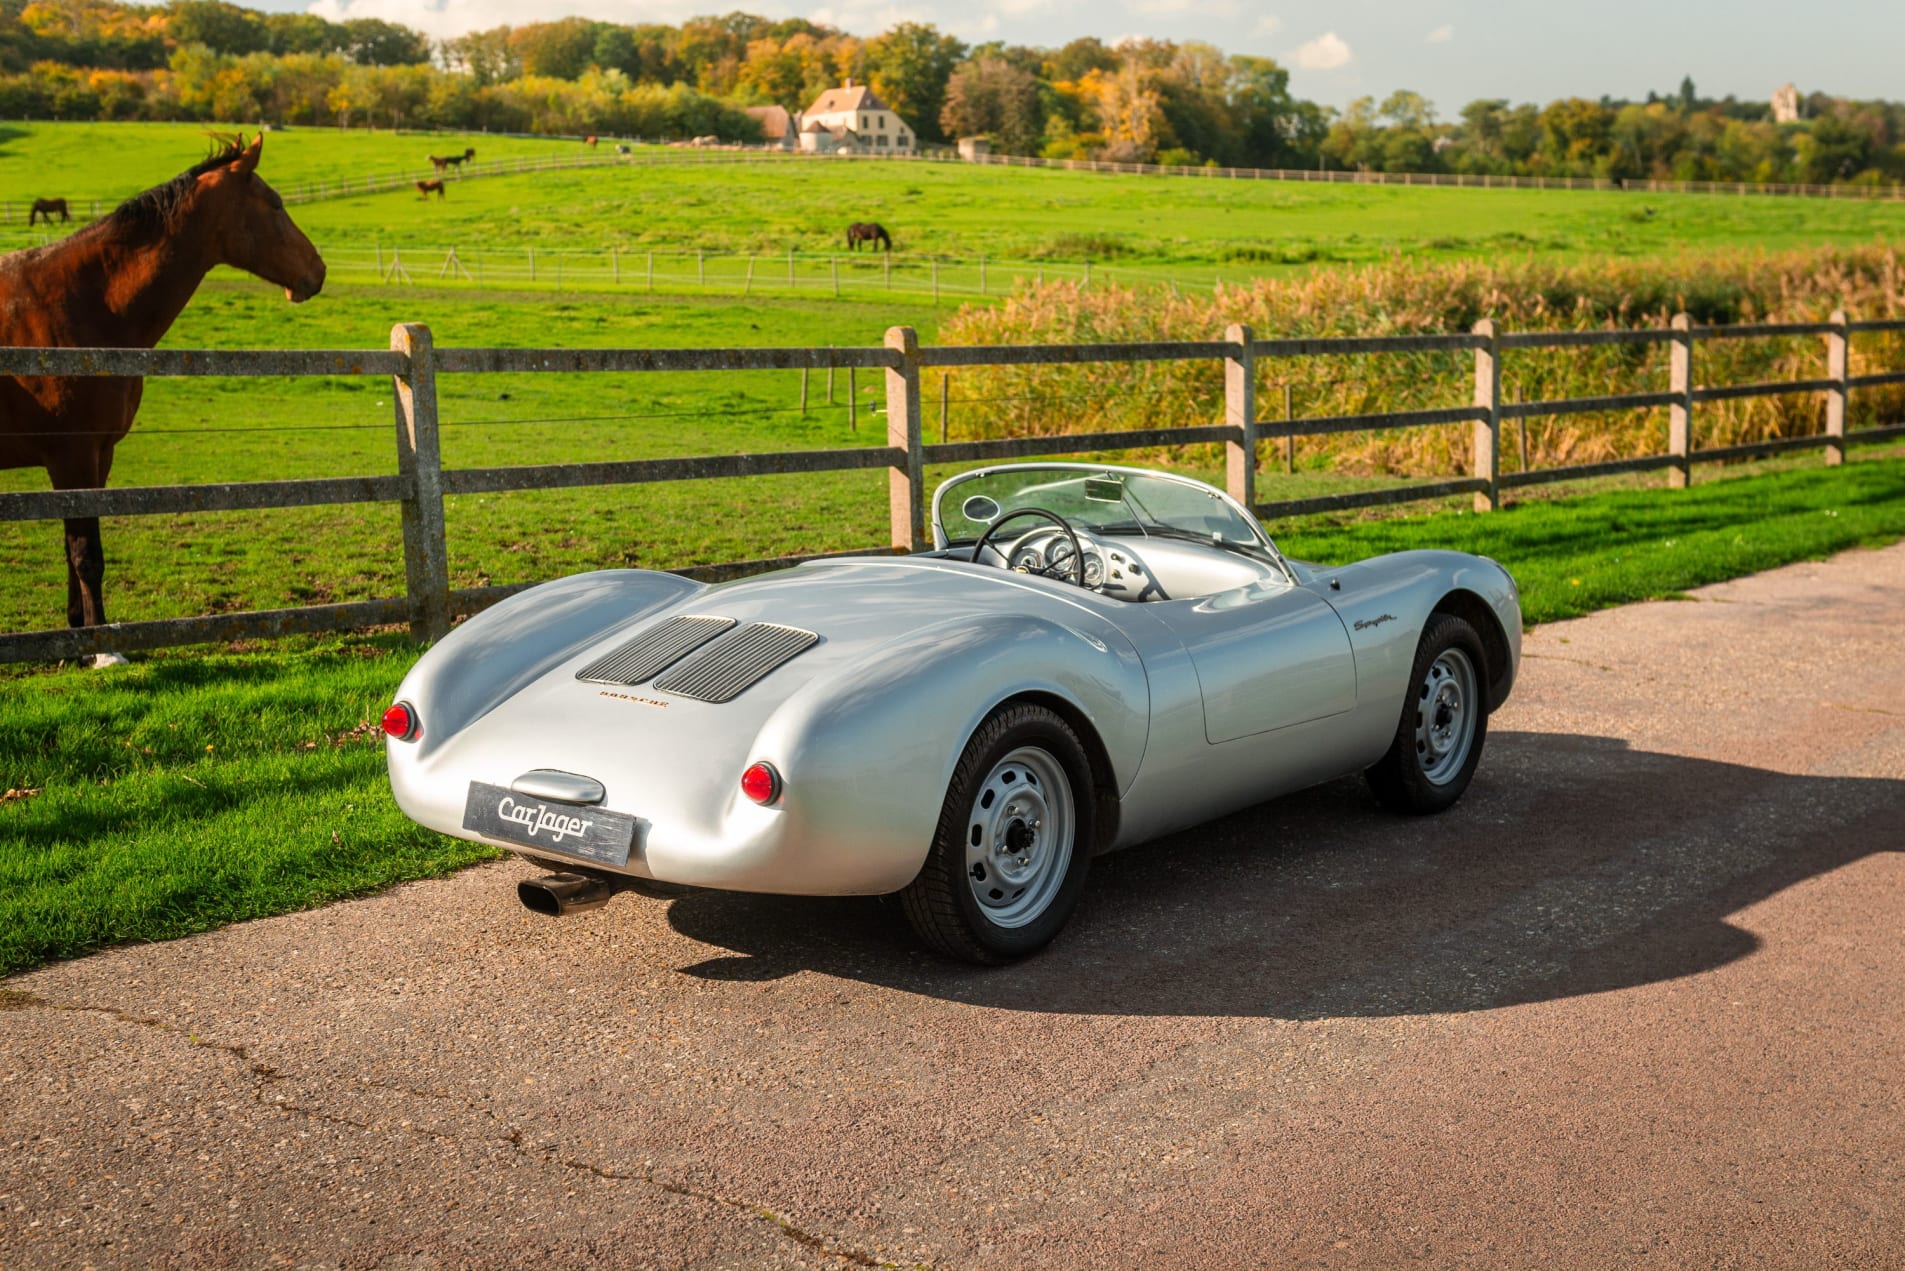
(980, 507)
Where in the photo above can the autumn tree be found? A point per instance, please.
(992, 97)
(909, 67)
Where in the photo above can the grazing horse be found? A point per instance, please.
(426, 188)
(46, 208)
(589, 142)
(868, 232)
(118, 284)
(440, 162)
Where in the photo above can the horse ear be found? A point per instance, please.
(247, 161)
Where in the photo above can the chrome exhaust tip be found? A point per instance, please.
(559, 894)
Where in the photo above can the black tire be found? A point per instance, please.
(1414, 776)
(1007, 752)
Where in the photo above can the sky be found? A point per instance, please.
(1450, 51)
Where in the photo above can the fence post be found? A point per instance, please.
(906, 482)
(425, 555)
(1680, 412)
(1838, 361)
(1488, 395)
(1240, 412)
(1289, 439)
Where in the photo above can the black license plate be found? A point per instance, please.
(592, 833)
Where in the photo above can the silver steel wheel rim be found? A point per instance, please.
(1019, 831)
(1445, 717)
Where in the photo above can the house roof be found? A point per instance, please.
(775, 122)
(852, 97)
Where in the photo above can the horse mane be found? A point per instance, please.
(157, 210)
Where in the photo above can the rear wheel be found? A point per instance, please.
(1444, 722)
(1012, 848)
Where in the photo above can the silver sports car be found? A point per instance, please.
(1088, 658)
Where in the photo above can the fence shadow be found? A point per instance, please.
(1574, 866)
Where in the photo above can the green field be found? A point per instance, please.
(258, 429)
(110, 161)
(1194, 228)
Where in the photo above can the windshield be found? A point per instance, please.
(1102, 500)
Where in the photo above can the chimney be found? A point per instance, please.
(849, 81)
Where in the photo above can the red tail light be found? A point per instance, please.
(401, 722)
(761, 783)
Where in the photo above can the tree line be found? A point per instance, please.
(1140, 100)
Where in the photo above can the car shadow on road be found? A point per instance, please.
(1574, 865)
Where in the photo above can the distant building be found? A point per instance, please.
(851, 120)
(777, 126)
(972, 149)
(1786, 104)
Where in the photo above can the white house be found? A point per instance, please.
(777, 126)
(851, 119)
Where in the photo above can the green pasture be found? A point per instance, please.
(1036, 214)
(111, 161)
(1192, 230)
(196, 788)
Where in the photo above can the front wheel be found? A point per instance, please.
(1444, 722)
(1013, 844)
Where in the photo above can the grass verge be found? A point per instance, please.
(193, 790)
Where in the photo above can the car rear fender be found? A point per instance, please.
(487, 659)
(868, 751)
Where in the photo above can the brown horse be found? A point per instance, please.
(426, 188)
(868, 232)
(118, 284)
(589, 142)
(440, 162)
(46, 208)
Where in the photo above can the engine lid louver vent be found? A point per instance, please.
(724, 672)
(654, 650)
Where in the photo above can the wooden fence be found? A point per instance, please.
(421, 482)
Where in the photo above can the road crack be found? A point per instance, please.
(266, 1076)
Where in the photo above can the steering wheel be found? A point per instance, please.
(1078, 553)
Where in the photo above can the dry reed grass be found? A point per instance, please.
(1401, 297)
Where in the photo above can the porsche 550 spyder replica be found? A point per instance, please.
(1087, 658)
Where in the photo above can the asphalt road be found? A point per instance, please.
(1635, 1002)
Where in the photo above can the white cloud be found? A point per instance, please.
(1179, 8)
(1325, 53)
(1441, 35)
(441, 19)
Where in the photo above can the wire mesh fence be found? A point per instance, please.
(685, 271)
